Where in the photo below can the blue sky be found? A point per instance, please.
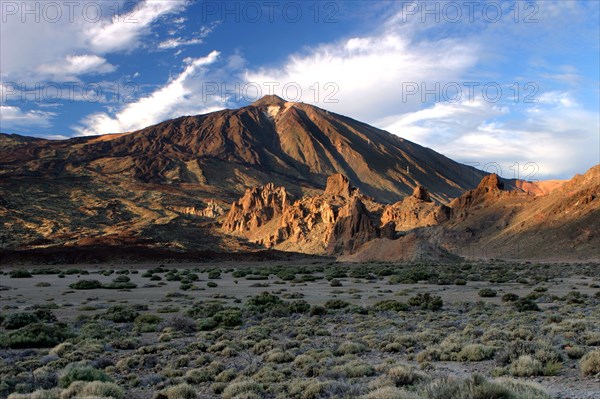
(528, 72)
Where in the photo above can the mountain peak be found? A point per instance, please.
(270, 99)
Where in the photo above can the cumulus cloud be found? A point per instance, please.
(177, 97)
(51, 44)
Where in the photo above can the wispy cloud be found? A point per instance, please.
(557, 135)
(178, 42)
(177, 97)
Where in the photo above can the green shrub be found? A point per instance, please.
(86, 285)
(263, 302)
(37, 335)
(82, 374)
(147, 318)
(121, 314)
(525, 305)
(214, 275)
(510, 297)
(317, 310)
(18, 320)
(390, 305)
(487, 293)
(426, 301)
(336, 304)
(121, 279)
(20, 273)
(299, 307)
(212, 284)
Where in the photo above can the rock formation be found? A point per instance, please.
(257, 207)
(415, 211)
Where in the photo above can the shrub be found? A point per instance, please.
(526, 366)
(350, 347)
(121, 279)
(279, 356)
(229, 318)
(240, 388)
(318, 311)
(38, 394)
(390, 305)
(182, 323)
(18, 320)
(263, 302)
(355, 370)
(121, 314)
(212, 284)
(20, 274)
(510, 297)
(37, 335)
(487, 293)
(214, 275)
(404, 375)
(86, 285)
(475, 353)
(299, 307)
(575, 352)
(391, 393)
(426, 301)
(147, 319)
(590, 363)
(335, 283)
(95, 389)
(336, 304)
(82, 374)
(525, 305)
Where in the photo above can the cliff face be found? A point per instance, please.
(338, 221)
(495, 222)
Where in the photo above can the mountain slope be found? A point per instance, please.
(292, 144)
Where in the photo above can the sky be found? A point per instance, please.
(508, 87)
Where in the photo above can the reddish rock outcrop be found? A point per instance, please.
(257, 207)
(339, 184)
(353, 228)
(415, 211)
(489, 189)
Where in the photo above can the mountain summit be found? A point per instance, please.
(294, 145)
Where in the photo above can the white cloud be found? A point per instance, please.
(15, 117)
(123, 33)
(51, 43)
(177, 42)
(76, 65)
(556, 134)
(370, 72)
(178, 97)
